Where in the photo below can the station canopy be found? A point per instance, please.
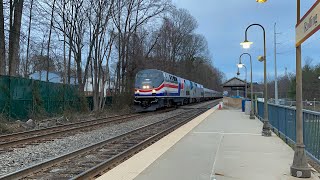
(235, 87)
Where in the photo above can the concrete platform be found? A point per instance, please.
(220, 144)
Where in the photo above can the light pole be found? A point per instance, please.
(266, 130)
(238, 73)
(240, 65)
(299, 167)
(251, 85)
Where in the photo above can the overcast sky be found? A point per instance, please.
(223, 23)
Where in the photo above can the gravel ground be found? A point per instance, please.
(33, 154)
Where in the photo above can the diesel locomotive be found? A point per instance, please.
(156, 89)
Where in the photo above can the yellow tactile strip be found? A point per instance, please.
(132, 167)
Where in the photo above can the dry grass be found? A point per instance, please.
(68, 116)
(7, 126)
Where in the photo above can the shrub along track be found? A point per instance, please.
(96, 159)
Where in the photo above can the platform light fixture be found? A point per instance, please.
(246, 44)
(240, 65)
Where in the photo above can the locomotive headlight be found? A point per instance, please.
(153, 90)
(144, 87)
(138, 91)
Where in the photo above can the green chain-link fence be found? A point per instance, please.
(21, 98)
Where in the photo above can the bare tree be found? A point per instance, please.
(101, 44)
(26, 70)
(176, 37)
(49, 39)
(2, 42)
(65, 23)
(106, 41)
(16, 7)
(64, 41)
(128, 16)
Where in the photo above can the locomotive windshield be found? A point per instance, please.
(150, 77)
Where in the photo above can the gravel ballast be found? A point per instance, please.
(33, 154)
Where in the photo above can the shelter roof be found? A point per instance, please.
(234, 82)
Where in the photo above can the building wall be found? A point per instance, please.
(232, 93)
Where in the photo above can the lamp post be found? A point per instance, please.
(251, 85)
(238, 73)
(240, 65)
(299, 167)
(266, 130)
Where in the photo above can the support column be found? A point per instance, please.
(299, 166)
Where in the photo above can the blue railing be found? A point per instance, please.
(283, 121)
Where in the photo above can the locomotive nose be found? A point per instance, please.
(147, 84)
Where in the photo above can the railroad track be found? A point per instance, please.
(96, 159)
(33, 137)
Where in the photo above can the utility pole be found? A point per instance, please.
(275, 67)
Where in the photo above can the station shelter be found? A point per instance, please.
(235, 87)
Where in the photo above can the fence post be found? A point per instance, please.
(63, 92)
(285, 125)
(10, 97)
(256, 106)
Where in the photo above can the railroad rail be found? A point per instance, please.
(92, 161)
(22, 139)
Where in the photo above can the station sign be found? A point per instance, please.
(309, 24)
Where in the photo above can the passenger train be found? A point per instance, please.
(156, 89)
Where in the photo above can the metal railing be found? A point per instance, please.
(283, 122)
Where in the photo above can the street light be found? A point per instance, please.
(240, 65)
(238, 73)
(299, 167)
(261, 1)
(246, 44)
(251, 85)
(266, 130)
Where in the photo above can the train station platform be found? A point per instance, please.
(218, 145)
